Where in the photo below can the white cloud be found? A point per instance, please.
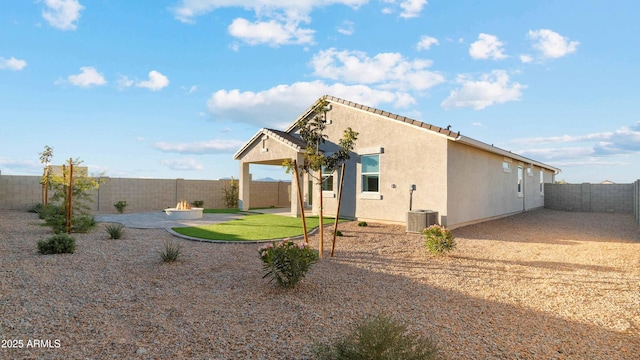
(14, 166)
(182, 164)
(12, 64)
(124, 82)
(217, 146)
(490, 89)
(346, 28)
(156, 81)
(412, 8)
(270, 32)
(87, 77)
(409, 8)
(277, 22)
(281, 105)
(487, 47)
(552, 45)
(478, 124)
(525, 58)
(426, 42)
(62, 14)
(624, 140)
(388, 70)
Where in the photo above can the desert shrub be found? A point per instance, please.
(115, 231)
(339, 233)
(45, 211)
(57, 244)
(35, 208)
(170, 251)
(120, 205)
(286, 262)
(363, 223)
(230, 193)
(438, 239)
(197, 203)
(379, 338)
(82, 223)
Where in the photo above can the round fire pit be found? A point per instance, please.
(186, 214)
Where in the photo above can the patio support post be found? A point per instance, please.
(244, 191)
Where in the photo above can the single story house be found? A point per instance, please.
(400, 163)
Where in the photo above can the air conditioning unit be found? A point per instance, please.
(419, 220)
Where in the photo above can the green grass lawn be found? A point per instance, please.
(253, 227)
(221, 211)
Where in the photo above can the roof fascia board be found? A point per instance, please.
(490, 148)
(257, 136)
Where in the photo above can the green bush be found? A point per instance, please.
(57, 244)
(45, 211)
(120, 205)
(439, 240)
(35, 208)
(286, 262)
(379, 338)
(170, 251)
(115, 231)
(363, 223)
(339, 233)
(197, 203)
(82, 223)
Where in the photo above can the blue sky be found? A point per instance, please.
(172, 89)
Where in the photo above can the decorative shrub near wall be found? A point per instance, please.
(439, 240)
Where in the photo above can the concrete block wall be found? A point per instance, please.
(19, 192)
(636, 200)
(23, 192)
(590, 197)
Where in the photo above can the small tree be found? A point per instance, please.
(45, 158)
(73, 188)
(230, 193)
(311, 132)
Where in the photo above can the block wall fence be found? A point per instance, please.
(619, 198)
(22, 192)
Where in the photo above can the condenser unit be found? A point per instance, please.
(418, 220)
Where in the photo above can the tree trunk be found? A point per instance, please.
(301, 203)
(335, 224)
(320, 220)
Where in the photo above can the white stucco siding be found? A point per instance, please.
(410, 155)
(479, 188)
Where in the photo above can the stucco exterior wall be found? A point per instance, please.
(410, 155)
(479, 187)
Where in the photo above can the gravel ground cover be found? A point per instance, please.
(539, 285)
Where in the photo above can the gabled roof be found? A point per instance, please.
(283, 137)
(287, 138)
(453, 136)
(382, 113)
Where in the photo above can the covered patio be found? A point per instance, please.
(272, 147)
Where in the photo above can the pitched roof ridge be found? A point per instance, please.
(393, 116)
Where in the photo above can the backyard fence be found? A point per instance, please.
(586, 197)
(23, 192)
(636, 198)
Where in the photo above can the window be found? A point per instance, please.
(506, 167)
(370, 173)
(541, 182)
(529, 171)
(327, 179)
(520, 185)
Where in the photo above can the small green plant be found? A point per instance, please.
(45, 211)
(230, 193)
(363, 223)
(438, 239)
(170, 251)
(379, 338)
(57, 244)
(286, 262)
(115, 231)
(339, 233)
(120, 205)
(197, 203)
(83, 223)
